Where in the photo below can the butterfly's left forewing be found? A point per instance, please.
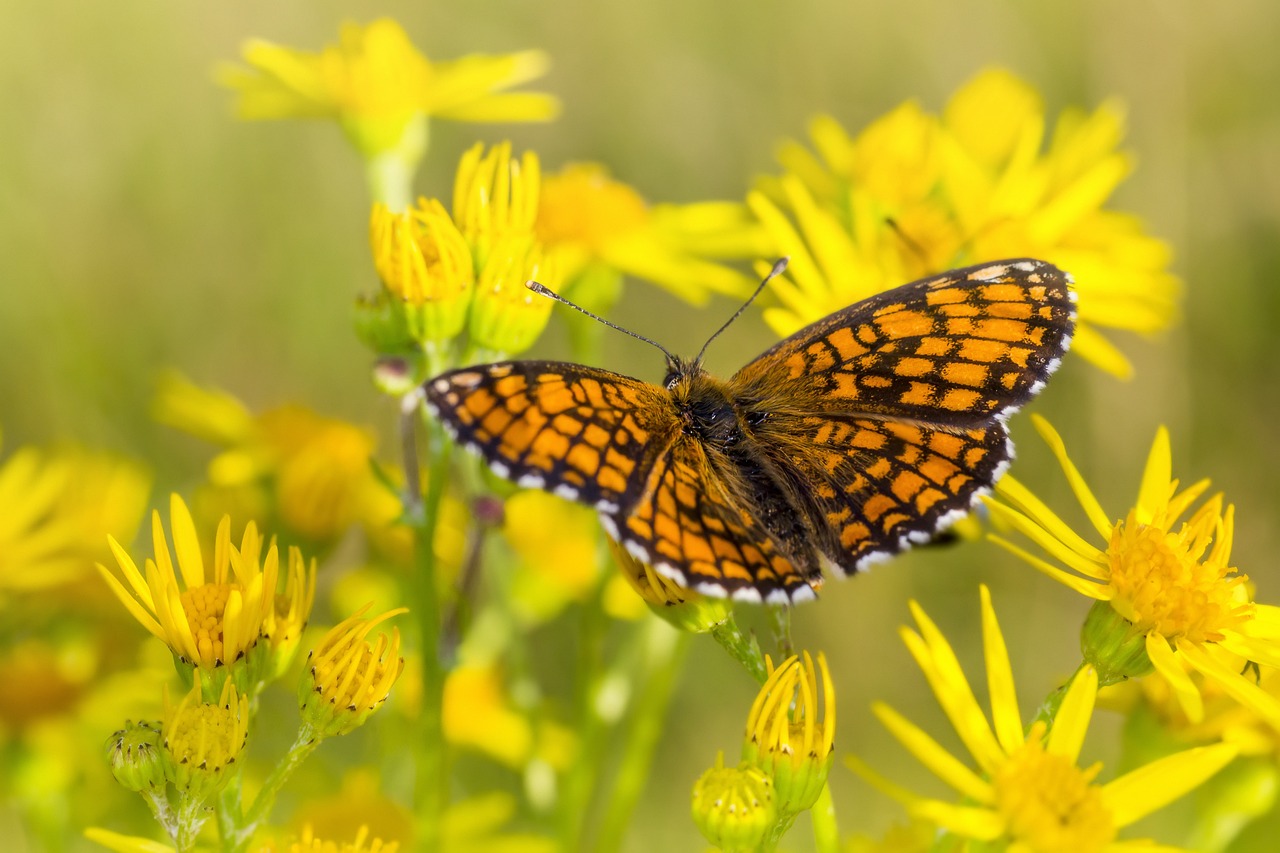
(584, 434)
(958, 349)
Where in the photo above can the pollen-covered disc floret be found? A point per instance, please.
(1048, 802)
(204, 739)
(1162, 580)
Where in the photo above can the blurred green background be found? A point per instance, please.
(142, 228)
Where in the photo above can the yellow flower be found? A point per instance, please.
(1012, 199)
(1027, 790)
(495, 205)
(377, 84)
(57, 509)
(790, 733)
(915, 194)
(477, 714)
(347, 678)
(425, 265)
(211, 614)
(735, 807)
(288, 466)
(204, 739)
(556, 545)
(595, 220)
(1176, 595)
(307, 842)
(829, 267)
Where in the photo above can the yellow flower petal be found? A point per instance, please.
(1154, 491)
(1072, 721)
(1171, 669)
(1097, 515)
(932, 755)
(1138, 793)
(1005, 718)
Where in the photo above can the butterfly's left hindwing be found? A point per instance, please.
(585, 434)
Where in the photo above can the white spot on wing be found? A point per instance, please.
(803, 593)
(565, 491)
(531, 481)
(744, 593)
(610, 526)
(501, 469)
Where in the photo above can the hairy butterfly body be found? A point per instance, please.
(867, 431)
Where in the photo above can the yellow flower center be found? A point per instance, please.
(205, 606)
(583, 204)
(1049, 804)
(1161, 585)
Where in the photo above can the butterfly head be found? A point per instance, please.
(681, 372)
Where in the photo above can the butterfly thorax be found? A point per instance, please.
(706, 408)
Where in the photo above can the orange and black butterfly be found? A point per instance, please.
(867, 431)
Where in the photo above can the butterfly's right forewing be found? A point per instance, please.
(585, 434)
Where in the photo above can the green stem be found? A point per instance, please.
(303, 745)
(1049, 707)
(665, 650)
(745, 650)
(826, 835)
(432, 790)
(579, 783)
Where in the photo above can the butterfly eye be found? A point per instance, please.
(671, 379)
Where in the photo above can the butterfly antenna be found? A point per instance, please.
(543, 290)
(776, 271)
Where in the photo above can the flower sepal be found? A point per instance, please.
(136, 758)
(1113, 645)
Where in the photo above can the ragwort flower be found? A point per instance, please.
(348, 678)
(382, 89)
(288, 466)
(1167, 578)
(212, 613)
(916, 194)
(57, 509)
(604, 228)
(1027, 790)
(790, 732)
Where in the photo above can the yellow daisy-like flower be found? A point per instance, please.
(376, 82)
(915, 194)
(211, 614)
(57, 509)
(1011, 199)
(1027, 790)
(1169, 579)
(597, 221)
(680, 606)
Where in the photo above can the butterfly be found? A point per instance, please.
(857, 436)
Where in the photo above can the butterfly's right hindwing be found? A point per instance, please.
(585, 434)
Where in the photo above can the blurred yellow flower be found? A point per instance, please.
(595, 220)
(1176, 596)
(479, 714)
(915, 194)
(1027, 791)
(556, 545)
(289, 466)
(377, 84)
(308, 842)
(57, 509)
(347, 678)
(211, 614)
